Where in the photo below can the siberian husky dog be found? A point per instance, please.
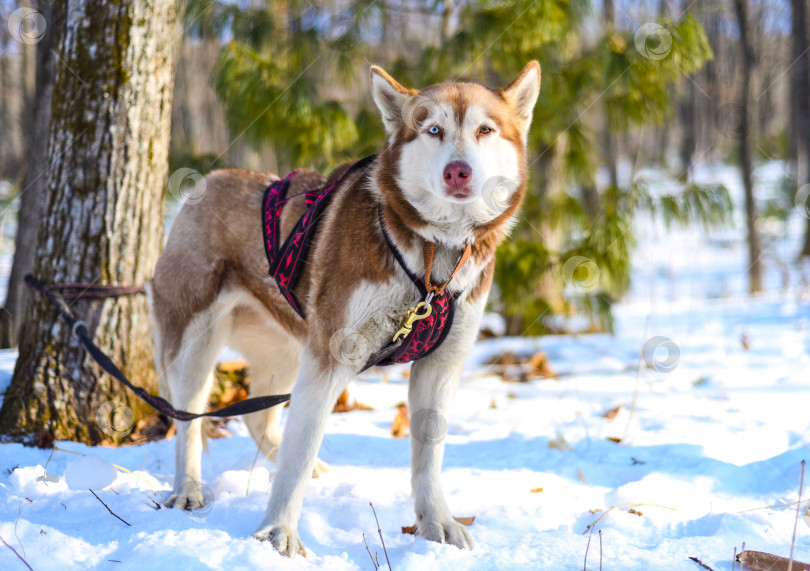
(452, 173)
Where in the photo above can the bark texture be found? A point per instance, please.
(102, 217)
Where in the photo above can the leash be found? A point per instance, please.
(79, 329)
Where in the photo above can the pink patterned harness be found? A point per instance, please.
(287, 263)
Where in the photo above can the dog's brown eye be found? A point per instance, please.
(484, 130)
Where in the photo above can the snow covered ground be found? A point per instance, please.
(717, 434)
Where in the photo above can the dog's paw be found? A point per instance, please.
(190, 497)
(284, 539)
(450, 532)
(320, 468)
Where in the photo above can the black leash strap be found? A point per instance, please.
(161, 405)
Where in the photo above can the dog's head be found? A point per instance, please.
(456, 152)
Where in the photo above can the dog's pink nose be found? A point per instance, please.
(457, 174)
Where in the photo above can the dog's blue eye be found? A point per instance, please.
(434, 130)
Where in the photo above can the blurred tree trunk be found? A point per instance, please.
(747, 63)
(800, 105)
(608, 142)
(687, 110)
(5, 116)
(33, 184)
(103, 215)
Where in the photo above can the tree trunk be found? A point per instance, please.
(103, 217)
(800, 87)
(33, 185)
(608, 142)
(747, 61)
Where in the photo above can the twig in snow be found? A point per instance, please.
(379, 530)
(771, 507)
(600, 550)
(796, 521)
(369, 553)
(15, 553)
(256, 457)
(108, 508)
(16, 521)
(701, 563)
(587, 547)
(734, 559)
(140, 472)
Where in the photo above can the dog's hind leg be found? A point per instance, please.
(274, 358)
(190, 377)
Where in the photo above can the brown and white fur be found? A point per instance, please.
(448, 146)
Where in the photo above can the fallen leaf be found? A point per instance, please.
(761, 561)
(611, 414)
(615, 439)
(635, 512)
(582, 477)
(535, 490)
(540, 366)
(559, 443)
(493, 405)
(401, 426)
(746, 343)
(409, 529)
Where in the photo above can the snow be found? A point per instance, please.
(707, 448)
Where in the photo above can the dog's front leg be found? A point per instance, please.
(313, 397)
(432, 386)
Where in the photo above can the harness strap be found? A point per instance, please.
(428, 253)
(398, 255)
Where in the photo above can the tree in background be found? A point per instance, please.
(33, 183)
(102, 219)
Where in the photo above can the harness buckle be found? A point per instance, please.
(412, 316)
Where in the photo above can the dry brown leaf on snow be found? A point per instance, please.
(540, 366)
(342, 404)
(506, 358)
(761, 561)
(615, 439)
(559, 443)
(535, 490)
(635, 512)
(612, 413)
(401, 426)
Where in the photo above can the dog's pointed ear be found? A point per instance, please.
(521, 94)
(390, 97)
